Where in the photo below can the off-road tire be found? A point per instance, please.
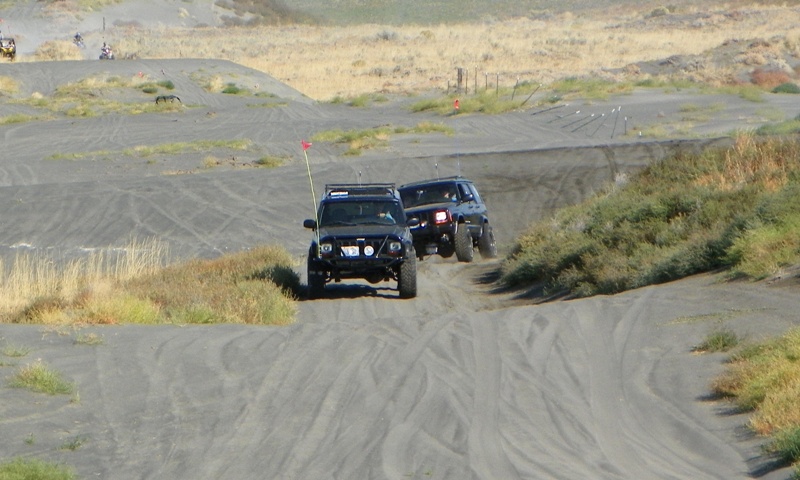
(407, 278)
(445, 250)
(463, 241)
(316, 282)
(486, 243)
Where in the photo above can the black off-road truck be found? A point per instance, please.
(450, 217)
(361, 232)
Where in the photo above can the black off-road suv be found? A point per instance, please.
(450, 217)
(361, 232)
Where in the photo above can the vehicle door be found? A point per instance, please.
(471, 206)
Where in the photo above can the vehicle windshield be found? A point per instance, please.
(360, 213)
(428, 194)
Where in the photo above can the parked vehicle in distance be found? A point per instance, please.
(450, 217)
(361, 232)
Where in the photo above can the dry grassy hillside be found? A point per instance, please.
(328, 61)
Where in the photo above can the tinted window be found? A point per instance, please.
(474, 192)
(360, 212)
(428, 194)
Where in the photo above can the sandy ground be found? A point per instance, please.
(464, 381)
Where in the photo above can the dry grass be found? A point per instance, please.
(256, 286)
(326, 62)
(764, 378)
(8, 85)
(131, 285)
(37, 282)
(58, 50)
(769, 164)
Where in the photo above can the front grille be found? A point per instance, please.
(378, 246)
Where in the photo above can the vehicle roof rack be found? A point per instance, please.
(360, 189)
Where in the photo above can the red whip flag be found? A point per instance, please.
(306, 146)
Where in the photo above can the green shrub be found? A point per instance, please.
(233, 89)
(762, 251)
(18, 118)
(782, 128)
(362, 100)
(270, 161)
(720, 340)
(40, 378)
(192, 314)
(33, 469)
(658, 12)
(432, 105)
(764, 379)
(121, 307)
(786, 88)
(786, 445)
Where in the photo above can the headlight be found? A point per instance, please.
(326, 249)
(395, 248)
(441, 216)
(369, 250)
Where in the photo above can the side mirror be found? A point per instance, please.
(468, 198)
(412, 222)
(310, 223)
